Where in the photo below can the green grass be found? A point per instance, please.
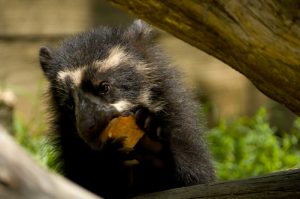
(36, 143)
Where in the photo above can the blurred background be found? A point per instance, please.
(249, 134)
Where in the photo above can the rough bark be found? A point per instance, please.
(259, 38)
(21, 177)
(277, 185)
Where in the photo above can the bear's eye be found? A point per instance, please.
(103, 88)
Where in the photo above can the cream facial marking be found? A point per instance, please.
(143, 68)
(144, 98)
(116, 56)
(122, 105)
(158, 106)
(75, 75)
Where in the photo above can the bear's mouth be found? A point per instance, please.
(120, 128)
(98, 129)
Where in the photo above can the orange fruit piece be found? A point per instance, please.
(122, 127)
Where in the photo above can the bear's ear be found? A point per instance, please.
(140, 31)
(45, 60)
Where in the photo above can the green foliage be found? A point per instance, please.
(35, 142)
(249, 147)
(242, 148)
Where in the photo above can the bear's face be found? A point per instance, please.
(93, 79)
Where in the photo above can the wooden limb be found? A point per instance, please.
(7, 104)
(284, 185)
(21, 177)
(259, 38)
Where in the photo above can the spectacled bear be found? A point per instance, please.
(113, 71)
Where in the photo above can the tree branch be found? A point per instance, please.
(21, 177)
(259, 38)
(284, 185)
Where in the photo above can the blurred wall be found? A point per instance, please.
(25, 25)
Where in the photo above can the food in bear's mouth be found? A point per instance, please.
(125, 127)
